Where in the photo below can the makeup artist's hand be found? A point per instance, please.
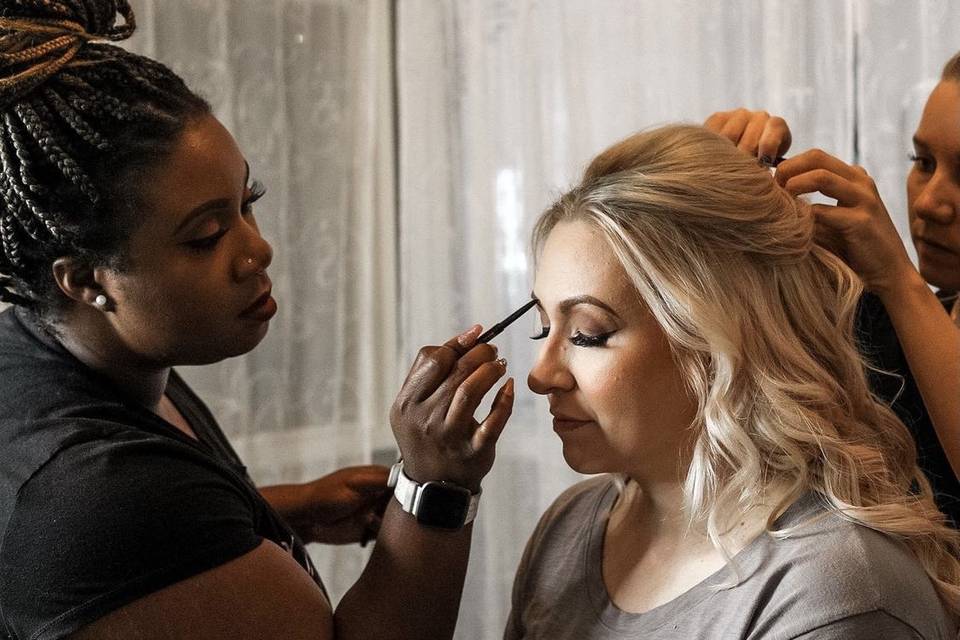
(858, 228)
(754, 132)
(344, 507)
(432, 417)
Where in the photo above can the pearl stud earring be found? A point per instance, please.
(100, 301)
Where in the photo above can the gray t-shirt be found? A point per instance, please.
(831, 580)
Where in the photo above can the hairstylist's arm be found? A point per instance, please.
(860, 230)
(411, 586)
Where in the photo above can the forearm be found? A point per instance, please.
(411, 586)
(287, 500)
(931, 344)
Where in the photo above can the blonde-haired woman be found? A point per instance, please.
(697, 350)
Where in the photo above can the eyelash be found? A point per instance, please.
(918, 160)
(578, 339)
(257, 191)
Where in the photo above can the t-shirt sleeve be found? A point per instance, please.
(107, 522)
(865, 626)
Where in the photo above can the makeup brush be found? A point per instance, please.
(495, 330)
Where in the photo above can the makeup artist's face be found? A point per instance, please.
(618, 399)
(933, 188)
(196, 290)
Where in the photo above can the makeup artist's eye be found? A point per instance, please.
(257, 191)
(583, 340)
(207, 243)
(544, 332)
(921, 163)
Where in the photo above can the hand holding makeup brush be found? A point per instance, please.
(433, 415)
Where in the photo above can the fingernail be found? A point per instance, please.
(469, 335)
(508, 388)
(502, 362)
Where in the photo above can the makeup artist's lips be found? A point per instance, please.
(262, 309)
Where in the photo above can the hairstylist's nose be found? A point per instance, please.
(938, 200)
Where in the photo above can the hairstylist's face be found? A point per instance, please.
(196, 290)
(933, 188)
(618, 399)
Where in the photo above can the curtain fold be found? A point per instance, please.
(305, 86)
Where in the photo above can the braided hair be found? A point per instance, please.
(81, 121)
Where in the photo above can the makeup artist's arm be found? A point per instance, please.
(343, 507)
(411, 586)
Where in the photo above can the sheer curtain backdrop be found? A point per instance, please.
(305, 87)
(499, 105)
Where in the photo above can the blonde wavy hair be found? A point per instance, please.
(760, 319)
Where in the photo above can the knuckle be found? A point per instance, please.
(425, 352)
(820, 175)
(483, 352)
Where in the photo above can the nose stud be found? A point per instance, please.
(100, 301)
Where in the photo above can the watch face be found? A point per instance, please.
(442, 506)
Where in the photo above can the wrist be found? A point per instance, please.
(437, 504)
(421, 474)
(906, 283)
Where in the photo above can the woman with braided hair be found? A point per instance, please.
(129, 246)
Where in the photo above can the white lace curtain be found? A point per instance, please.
(497, 105)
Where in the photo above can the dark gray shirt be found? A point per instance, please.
(831, 580)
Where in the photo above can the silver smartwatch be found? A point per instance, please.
(443, 505)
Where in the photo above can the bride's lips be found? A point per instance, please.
(563, 424)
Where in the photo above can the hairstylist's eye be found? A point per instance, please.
(207, 243)
(257, 191)
(544, 332)
(921, 163)
(583, 340)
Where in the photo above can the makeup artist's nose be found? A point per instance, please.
(550, 373)
(256, 257)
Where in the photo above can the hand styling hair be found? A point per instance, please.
(760, 319)
(81, 121)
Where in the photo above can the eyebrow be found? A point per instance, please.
(210, 205)
(569, 303)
